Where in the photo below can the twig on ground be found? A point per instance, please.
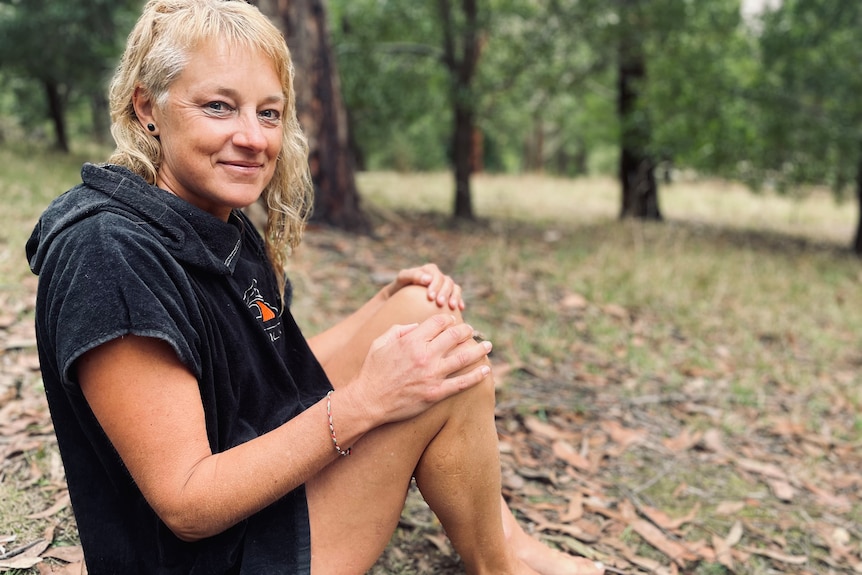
(20, 549)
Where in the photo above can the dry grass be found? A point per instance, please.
(813, 215)
(727, 271)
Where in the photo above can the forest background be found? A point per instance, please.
(761, 92)
(692, 366)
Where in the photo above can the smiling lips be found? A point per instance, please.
(243, 165)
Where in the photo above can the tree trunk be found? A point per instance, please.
(321, 111)
(535, 161)
(462, 69)
(101, 117)
(462, 151)
(58, 117)
(857, 243)
(477, 163)
(637, 168)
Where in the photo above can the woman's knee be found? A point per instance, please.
(411, 304)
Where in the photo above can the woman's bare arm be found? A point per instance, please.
(149, 405)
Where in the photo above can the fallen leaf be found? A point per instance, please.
(781, 489)
(567, 453)
(712, 440)
(761, 468)
(616, 311)
(622, 435)
(539, 427)
(674, 550)
(828, 498)
(60, 504)
(729, 507)
(575, 508)
(664, 521)
(76, 568)
(574, 301)
(440, 541)
(67, 553)
(575, 531)
(20, 562)
(734, 536)
(645, 563)
(684, 441)
(778, 556)
(723, 552)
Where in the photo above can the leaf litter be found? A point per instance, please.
(594, 461)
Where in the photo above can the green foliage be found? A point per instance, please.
(532, 79)
(393, 82)
(701, 62)
(811, 119)
(71, 44)
(771, 100)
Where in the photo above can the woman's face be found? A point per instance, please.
(221, 128)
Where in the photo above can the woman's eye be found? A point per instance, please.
(270, 115)
(217, 107)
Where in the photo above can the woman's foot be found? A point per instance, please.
(541, 558)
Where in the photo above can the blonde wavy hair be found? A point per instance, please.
(157, 51)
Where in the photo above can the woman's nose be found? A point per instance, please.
(249, 133)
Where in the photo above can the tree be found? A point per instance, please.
(399, 40)
(498, 64)
(84, 42)
(321, 112)
(545, 91)
(461, 49)
(811, 113)
(637, 164)
(700, 96)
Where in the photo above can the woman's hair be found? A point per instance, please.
(158, 50)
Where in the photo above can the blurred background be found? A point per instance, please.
(764, 93)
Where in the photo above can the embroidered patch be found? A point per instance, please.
(265, 312)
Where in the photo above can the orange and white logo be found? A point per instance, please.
(266, 313)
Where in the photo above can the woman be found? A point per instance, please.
(200, 432)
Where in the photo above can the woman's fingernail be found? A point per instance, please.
(486, 370)
(487, 345)
(599, 565)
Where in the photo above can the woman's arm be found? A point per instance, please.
(441, 289)
(149, 406)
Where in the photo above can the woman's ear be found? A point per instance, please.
(143, 104)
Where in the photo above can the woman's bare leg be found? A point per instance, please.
(452, 450)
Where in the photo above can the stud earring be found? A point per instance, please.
(151, 127)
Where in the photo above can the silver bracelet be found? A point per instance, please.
(341, 452)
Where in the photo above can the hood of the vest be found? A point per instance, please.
(191, 235)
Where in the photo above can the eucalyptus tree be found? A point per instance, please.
(699, 97)
(657, 77)
(811, 110)
(469, 83)
(417, 62)
(321, 111)
(66, 49)
(546, 97)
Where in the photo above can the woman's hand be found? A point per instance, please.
(412, 367)
(442, 289)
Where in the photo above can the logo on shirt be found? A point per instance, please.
(266, 313)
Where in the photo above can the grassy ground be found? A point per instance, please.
(708, 363)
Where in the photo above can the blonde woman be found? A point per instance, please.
(200, 431)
